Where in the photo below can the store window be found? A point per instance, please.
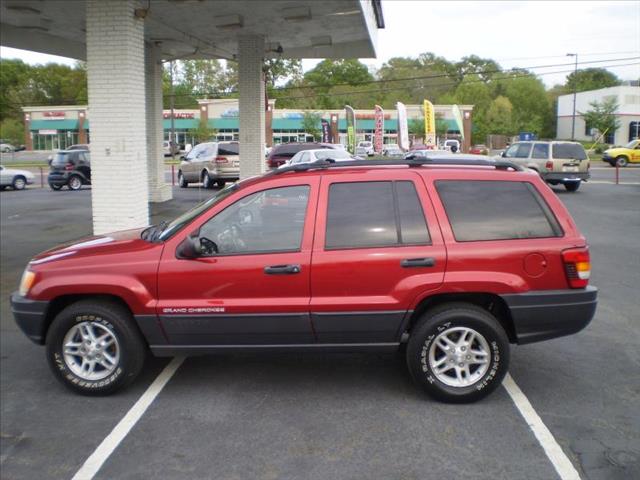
(634, 130)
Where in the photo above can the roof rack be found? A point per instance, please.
(415, 162)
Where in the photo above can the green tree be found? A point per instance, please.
(591, 79)
(277, 69)
(442, 126)
(416, 127)
(12, 130)
(602, 116)
(311, 124)
(203, 132)
(498, 118)
(531, 106)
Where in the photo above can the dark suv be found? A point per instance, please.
(450, 259)
(280, 154)
(71, 168)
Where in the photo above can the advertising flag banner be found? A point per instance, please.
(379, 129)
(429, 124)
(403, 128)
(351, 129)
(326, 132)
(457, 115)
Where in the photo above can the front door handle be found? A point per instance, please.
(418, 262)
(282, 269)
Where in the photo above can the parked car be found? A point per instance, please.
(453, 263)
(16, 179)
(392, 150)
(79, 146)
(367, 149)
(451, 144)
(70, 168)
(282, 153)
(479, 150)
(623, 156)
(415, 154)
(323, 154)
(210, 163)
(7, 148)
(170, 148)
(557, 162)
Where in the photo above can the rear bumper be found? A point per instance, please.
(543, 315)
(30, 316)
(566, 176)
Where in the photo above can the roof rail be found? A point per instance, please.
(415, 162)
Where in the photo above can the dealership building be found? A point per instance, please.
(51, 128)
(627, 113)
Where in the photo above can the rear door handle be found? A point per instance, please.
(282, 269)
(418, 262)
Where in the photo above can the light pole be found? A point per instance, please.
(575, 86)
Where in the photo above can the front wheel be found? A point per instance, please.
(94, 348)
(206, 180)
(182, 182)
(458, 353)
(572, 186)
(19, 183)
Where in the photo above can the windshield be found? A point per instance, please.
(333, 154)
(569, 150)
(631, 144)
(60, 160)
(186, 217)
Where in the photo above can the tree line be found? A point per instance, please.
(506, 101)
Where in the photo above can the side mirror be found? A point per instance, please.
(504, 154)
(189, 248)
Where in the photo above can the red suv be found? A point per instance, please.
(451, 259)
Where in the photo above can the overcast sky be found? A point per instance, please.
(516, 34)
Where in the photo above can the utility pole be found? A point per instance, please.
(575, 87)
(172, 138)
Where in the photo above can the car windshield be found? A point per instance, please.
(60, 160)
(631, 144)
(186, 217)
(333, 154)
(569, 150)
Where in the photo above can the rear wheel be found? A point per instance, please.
(572, 186)
(181, 181)
(53, 186)
(94, 348)
(622, 161)
(74, 182)
(19, 182)
(220, 183)
(458, 353)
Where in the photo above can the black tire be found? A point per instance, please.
(572, 186)
(53, 186)
(221, 183)
(182, 183)
(622, 161)
(206, 180)
(19, 182)
(74, 183)
(104, 316)
(449, 318)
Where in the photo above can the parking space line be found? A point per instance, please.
(120, 431)
(554, 452)
(610, 182)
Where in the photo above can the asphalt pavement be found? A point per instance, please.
(322, 416)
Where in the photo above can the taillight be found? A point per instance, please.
(577, 265)
(68, 167)
(549, 165)
(221, 160)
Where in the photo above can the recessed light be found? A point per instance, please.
(229, 22)
(296, 14)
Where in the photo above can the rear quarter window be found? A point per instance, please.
(496, 210)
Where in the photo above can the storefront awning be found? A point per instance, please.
(54, 125)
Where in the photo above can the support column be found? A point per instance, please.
(82, 133)
(115, 67)
(252, 114)
(159, 191)
(28, 142)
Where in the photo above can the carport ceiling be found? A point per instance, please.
(206, 28)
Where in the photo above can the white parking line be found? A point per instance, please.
(613, 183)
(111, 442)
(560, 461)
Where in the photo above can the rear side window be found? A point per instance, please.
(540, 150)
(228, 149)
(496, 210)
(569, 150)
(374, 214)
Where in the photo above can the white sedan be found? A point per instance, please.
(310, 156)
(16, 179)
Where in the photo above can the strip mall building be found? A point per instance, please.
(50, 128)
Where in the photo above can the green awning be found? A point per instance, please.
(53, 124)
(232, 123)
(180, 123)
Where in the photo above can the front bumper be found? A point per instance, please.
(543, 315)
(566, 176)
(30, 315)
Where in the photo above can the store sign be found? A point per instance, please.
(48, 132)
(54, 115)
(292, 115)
(230, 113)
(178, 115)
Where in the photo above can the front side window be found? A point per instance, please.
(540, 150)
(518, 150)
(496, 210)
(374, 214)
(266, 221)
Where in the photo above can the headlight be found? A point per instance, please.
(26, 282)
